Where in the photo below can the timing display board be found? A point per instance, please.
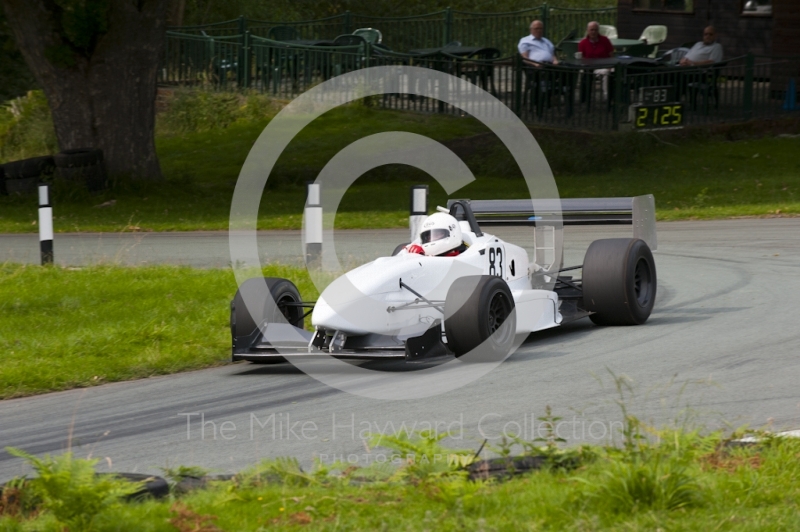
(656, 95)
(656, 116)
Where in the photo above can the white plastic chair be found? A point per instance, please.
(371, 35)
(654, 35)
(609, 31)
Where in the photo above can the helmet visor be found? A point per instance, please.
(432, 235)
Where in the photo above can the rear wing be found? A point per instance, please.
(639, 211)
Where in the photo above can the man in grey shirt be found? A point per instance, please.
(705, 52)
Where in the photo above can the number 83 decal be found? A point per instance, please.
(495, 255)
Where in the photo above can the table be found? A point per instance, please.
(461, 51)
(309, 42)
(630, 47)
(588, 67)
(611, 62)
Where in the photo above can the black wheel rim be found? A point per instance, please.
(289, 312)
(499, 310)
(642, 282)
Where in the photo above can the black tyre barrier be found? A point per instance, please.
(508, 467)
(33, 167)
(504, 468)
(25, 185)
(84, 165)
(21, 177)
(153, 486)
(3, 191)
(188, 484)
(78, 157)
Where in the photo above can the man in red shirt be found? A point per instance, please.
(594, 45)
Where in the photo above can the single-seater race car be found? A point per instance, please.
(459, 291)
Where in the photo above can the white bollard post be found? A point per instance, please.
(419, 209)
(313, 224)
(45, 224)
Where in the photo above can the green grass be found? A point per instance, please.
(702, 486)
(64, 328)
(694, 175)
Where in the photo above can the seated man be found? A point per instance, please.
(440, 236)
(705, 52)
(535, 49)
(594, 45)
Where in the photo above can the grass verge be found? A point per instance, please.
(694, 175)
(677, 480)
(65, 328)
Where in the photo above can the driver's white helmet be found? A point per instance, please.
(439, 234)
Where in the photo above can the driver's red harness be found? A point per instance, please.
(416, 248)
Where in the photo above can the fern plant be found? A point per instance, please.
(69, 488)
(423, 457)
(282, 470)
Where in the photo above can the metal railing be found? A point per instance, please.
(567, 96)
(203, 60)
(498, 30)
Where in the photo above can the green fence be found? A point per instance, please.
(498, 30)
(559, 96)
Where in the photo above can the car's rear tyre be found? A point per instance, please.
(480, 317)
(619, 281)
(269, 296)
(399, 248)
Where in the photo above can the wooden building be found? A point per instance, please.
(739, 30)
(761, 27)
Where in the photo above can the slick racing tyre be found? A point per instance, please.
(479, 317)
(273, 298)
(399, 248)
(619, 281)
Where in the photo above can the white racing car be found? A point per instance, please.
(457, 291)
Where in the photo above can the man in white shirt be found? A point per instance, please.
(705, 52)
(535, 49)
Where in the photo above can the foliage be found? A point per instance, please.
(70, 489)
(202, 169)
(79, 25)
(83, 21)
(26, 128)
(176, 474)
(208, 11)
(17, 78)
(556, 458)
(680, 481)
(422, 456)
(650, 479)
(202, 110)
(282, 470)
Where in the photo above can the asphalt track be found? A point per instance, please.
(721, 348)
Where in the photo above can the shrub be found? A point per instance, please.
(649, 480)
(69, 488)
(201, 110)
(26, 128)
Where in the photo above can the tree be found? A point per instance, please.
(15, 75)
(97, 62)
